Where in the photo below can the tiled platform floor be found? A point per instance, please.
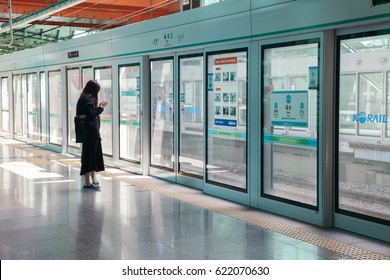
(45, 214)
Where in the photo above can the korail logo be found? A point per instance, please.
(363, 117)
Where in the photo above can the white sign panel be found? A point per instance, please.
(289, 108)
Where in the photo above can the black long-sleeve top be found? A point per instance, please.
(86, 107)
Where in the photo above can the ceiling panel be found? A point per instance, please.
(37, 22)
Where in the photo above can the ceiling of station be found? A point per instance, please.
(30, 23)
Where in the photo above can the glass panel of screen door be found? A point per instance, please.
(226, 119)
(86, 75)
(130, 113)
(33, 106)
(55, 109)
(74, 90)
(44, 126)
(162, 113)
(364, 153)
(18, 105)
(290, 122)
(104, 76)
(191, 116)
(5, 103)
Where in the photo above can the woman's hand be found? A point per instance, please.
(103, 104)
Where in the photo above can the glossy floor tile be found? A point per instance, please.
(45, 214)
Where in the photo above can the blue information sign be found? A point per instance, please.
(225, 122)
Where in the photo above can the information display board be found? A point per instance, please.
(289, 108)
(225, 92)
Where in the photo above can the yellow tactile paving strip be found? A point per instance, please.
(37, 160)
(343, 249)
(336, 246)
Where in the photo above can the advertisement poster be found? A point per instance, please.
(225, 92)
(289, 108)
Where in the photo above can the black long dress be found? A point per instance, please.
(92, 153)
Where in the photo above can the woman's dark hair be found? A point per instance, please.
(92, 87)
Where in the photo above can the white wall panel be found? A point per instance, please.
(192, 34)
(27, 59)
(91, 47)
(300, 15)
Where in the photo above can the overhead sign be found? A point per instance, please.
(73, 54)
(289, 108)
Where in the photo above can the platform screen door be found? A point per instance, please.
(290, 122)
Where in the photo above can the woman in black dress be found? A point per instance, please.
(92, 155)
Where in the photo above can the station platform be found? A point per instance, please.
(45, 214)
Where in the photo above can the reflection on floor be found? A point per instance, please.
(45, 214)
